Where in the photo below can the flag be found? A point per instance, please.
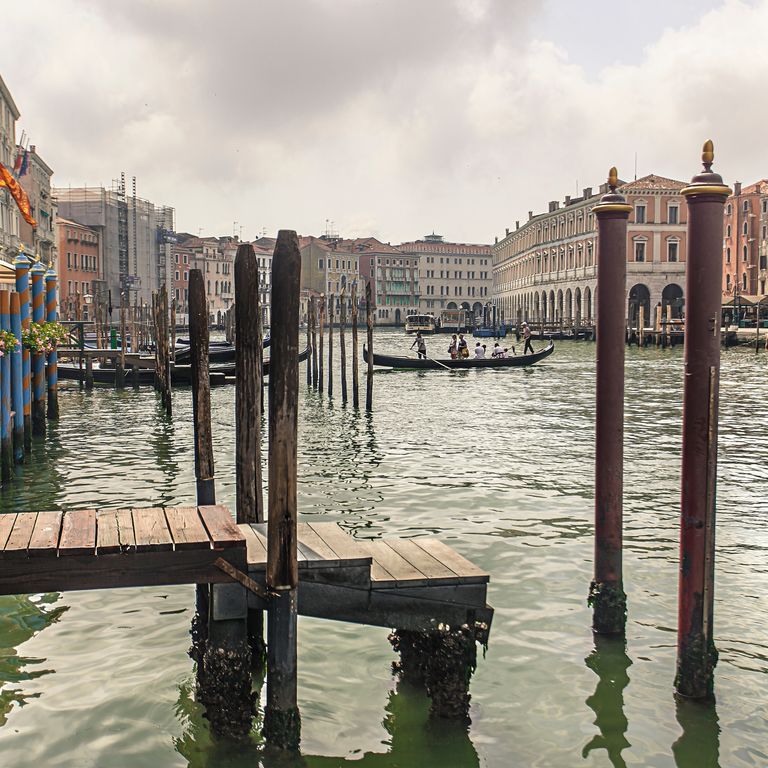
(18, 161)
(19, 195)
(24, 163)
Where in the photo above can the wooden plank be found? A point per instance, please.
(186, 527)
(125, 530)
(6, 526)
(257, 553)
(434, 570)
(151, 530)
(399, 569)
(45, 536)
(124, 569)
(342, 544)
(18, 541)
(312, 542)
(107, 532)
(221, 527)
(467, 572)
(78, 533)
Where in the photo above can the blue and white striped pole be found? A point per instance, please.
(51, 316)
(6, 445)
(17, 381)
(38, 358)
(22, 265)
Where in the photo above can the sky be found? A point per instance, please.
(391, 118)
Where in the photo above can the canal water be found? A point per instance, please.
(499, 464)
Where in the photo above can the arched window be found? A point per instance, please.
(727, 255)
(728, 281)
(744, 253)
(744, 281)
(728, 231)
(745, 228)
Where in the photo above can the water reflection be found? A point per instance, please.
(610, 663)
(21, 617)
(699, 743)
(414, 739)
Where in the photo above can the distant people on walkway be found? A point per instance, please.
(479, 351)
(527, 336)
(453, 347)
(421, 345)
(463, 348)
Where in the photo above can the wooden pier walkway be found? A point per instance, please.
(404, 583)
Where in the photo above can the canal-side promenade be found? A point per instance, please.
(498, 465)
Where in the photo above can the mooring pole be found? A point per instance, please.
(6, 444)
(310, 345)
(17, 381)
(331, 303)
(51, 316)
(21, 265)
(369, 374)
(248, 384)
(120, 363)
(282, 722)
(313, 305)
(38, 359)
(355, 362)
(696, 653)
(343, 343)
(606, 592)
(321, 351)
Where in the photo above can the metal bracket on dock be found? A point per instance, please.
(242, 578)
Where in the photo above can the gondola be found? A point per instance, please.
(218, 351)
(413, 363)
(229, 368)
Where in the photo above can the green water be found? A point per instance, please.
(496, 463)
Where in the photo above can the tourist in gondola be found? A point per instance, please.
(479, 351)
(497, 351)
(527, 336)
(421, 345)
(463, 349)
(453, 347)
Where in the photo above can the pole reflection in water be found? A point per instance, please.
(610, 663)
(414, 739)
(699, 743)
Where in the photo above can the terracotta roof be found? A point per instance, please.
(758, 188)
(652, 181)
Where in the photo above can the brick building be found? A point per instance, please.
(79, 268)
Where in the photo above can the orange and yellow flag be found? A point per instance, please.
(19, 195)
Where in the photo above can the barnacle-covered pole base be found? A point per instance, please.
(443, 660)
(609, 607)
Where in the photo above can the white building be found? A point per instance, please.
(9, 215)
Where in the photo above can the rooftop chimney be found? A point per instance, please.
(567, 200)
(736, 188)
(507, 230)
(587, 192)
(530, 215)
(517, 225)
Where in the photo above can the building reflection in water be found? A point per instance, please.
(609, 661)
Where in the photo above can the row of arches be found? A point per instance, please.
(572, 305)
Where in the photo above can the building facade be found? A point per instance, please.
(214, 257)
(79, 268)
(745, 244)
(546, 269)
(329, 265)
(135, 237)
(452, 275)
(9, 216)
(36, 182)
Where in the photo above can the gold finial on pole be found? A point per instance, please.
(613, 178)
(708, 154)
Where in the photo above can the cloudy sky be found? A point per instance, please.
(394, 118)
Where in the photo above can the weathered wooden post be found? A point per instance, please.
(51, 316)
(21, 265)
(89, 372)
(219, 629)
(696, 653)
(321, 351)
(167, 365)
(38, 359)
(120, 362)
(310, 345)
(343, 343)
(355, 362)
(606, 592)
(331, 304)
(17, 381)
(282, 722)
(641, 326)
(313, 306)
(6, 430)
(248, 389)
(369, 371)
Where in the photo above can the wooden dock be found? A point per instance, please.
(414, 584)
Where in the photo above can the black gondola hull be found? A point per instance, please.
(411, 363)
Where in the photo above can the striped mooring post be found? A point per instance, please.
(6, 444)
(51, 316)
(38, 359)
(17, 381)
(22, 265)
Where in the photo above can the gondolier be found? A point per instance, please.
(421, 345)
(527, 336)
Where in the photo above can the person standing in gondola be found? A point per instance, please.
(463, 350)
(421, 345)
(527, 336)
(453, 347)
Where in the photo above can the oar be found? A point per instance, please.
(447, 368)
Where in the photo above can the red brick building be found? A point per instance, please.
(79, 268)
